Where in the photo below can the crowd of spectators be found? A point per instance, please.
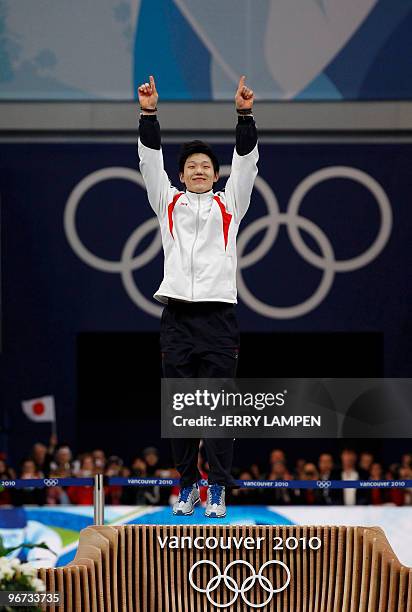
(57, 461)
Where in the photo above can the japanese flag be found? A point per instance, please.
(40, 409)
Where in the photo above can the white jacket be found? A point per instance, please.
(198, 230)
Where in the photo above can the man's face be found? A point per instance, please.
(39, 452)
(376, 471)
(99, 458)
(64, 455)
(277, 455)
(28, 467)
(365, 461)
(198, 173)
(348, 460)
(325, 463)
(151, 459)
(310, 472)
(279, 468)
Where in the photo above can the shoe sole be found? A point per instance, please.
(214, 515)
(181, 513)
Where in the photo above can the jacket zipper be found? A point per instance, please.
(193, 246)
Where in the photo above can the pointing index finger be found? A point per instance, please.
(241, 82)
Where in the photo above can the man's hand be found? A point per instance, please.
(244, 96)
(148, 95)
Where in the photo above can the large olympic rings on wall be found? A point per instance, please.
(294, 222)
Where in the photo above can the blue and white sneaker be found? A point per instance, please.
(215, 505)
(187, 500)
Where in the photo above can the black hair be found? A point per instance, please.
(196, 146)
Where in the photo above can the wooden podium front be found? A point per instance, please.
(133, 568)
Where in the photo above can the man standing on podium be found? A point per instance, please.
(199, 335)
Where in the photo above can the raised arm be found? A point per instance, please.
(239, 185)
(158, 186)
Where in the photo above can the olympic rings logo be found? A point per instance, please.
(324, 484)
(231, 584)
(51, 482)
(295, 223)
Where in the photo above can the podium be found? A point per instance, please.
(199, 568)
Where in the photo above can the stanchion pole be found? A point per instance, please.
(98, 498)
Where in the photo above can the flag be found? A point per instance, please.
(40, 409)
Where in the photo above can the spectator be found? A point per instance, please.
(394, 496)
(365, 461)
(299, 469)
(310, 496)
(6, 472)
(43, 455)
(99, 458)
(38, 454)
(310, 472)
(277, 456)
(278, 471)
(385, 496)
(151, 458)
(377, 496)
(113, 493)
(29, 470)
(62, 462)
(83, 496)
(349, 471)
(114, 466)
(29, 495)
(376, 471)
(406, 460)
(255, 471)
(393, 471)
(326, 467)
(405, 473)
(87, 466)
(140, 496)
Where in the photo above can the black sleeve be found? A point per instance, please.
(149, 131)
(246, 135)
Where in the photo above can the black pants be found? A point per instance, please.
(200, 340)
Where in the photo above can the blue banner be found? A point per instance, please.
(40, 483)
